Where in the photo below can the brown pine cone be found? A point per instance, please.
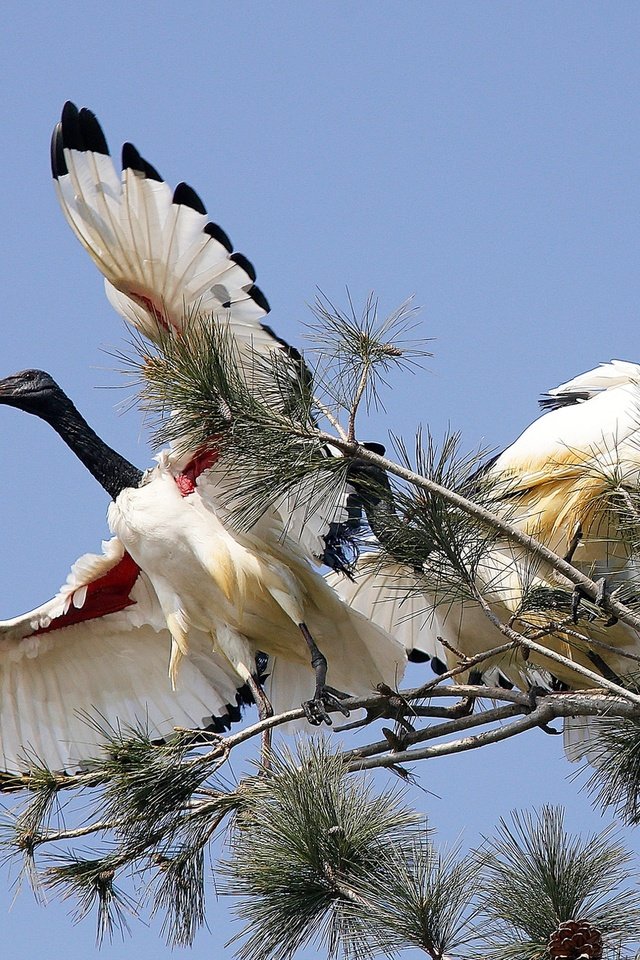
(575, 940)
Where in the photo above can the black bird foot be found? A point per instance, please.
(534, 694)
(601, 601)
(325, 698)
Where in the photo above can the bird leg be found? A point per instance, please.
(534, 693)
(604, 668)
(601, 601)
(324, 696)
(573, 543)
(577, 595)
(265, 710)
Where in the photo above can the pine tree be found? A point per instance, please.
(313, 851)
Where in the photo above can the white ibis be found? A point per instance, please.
(245, 594)
(555, 482)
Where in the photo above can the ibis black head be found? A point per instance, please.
(36, 392)
(33, 391)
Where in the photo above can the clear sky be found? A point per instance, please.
(481, 156)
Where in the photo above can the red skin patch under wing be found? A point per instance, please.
(186, 480)
(107, 594)
(158, 315)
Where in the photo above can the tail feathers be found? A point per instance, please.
(388, 597)
(580, 740)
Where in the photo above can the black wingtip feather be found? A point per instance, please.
(245, 264)
(70, 124)
(259, 298)
(375, 447)
(92, 133)
(58, 163)
(213, 230)
(150, 171)
(556, 401)
(131, 160)
(418, 656)
(186, 195)
(292, 352)
(438, 666)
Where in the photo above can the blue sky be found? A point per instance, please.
(481, 156)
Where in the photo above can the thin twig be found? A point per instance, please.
(353, 412)
(55, 836)
(557, 657)
(335, 423)
(596, 641)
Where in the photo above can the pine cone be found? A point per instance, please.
(575, 940)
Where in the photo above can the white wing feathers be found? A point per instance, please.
(64, 662)
(390, 597)
(163, 261)
(602, 377)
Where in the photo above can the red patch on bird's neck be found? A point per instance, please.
(186, 479)
(107, 594)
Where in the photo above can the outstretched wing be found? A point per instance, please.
(167, 265)
(391, 595)
(164, 262)
(98, 654)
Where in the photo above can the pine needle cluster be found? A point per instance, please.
(442, 544)
(306, 838)
(536, 876)
(152, 809)
(355, 353)
(319, 859)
